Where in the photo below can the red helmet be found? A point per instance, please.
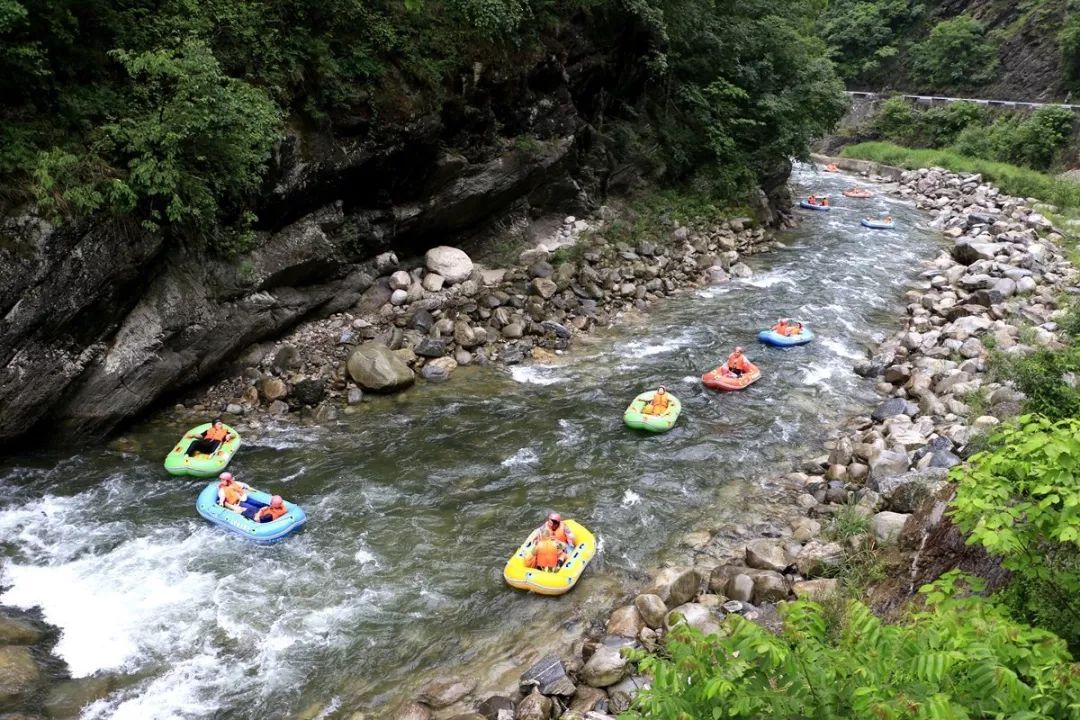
(276, 501)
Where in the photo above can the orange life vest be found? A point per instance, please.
(559, 534)
(232, 494)
(781, 328)
(736, 361)
(270, 512)
(547, 554)
(217, 434)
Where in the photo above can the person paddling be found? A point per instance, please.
(547, 554)
(232, 494)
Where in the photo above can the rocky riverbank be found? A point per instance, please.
(423, 317)
(998, 286)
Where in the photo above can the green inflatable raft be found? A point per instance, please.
(201, 465)
(635, 418)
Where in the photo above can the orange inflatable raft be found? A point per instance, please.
(721, 379)
(857, 193)
(831, 168)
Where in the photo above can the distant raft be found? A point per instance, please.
(720, 379)
(858, 193)
(831, 168)
(771, 337)
(201, 465)
(545, 582)
(814, 206)
(267, 532)
(878, 224)
(635, 418)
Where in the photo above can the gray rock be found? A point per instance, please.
(625, 621)
(374, 367)
(817, 557)
(541, 269)
(399, 297)
(967, 253)
(695, 615)
(513, 330)
(769, 587)
(889, 463)
(433, 282)
(904, 493)
(675, 585)
(543, 287)
(587, 698)
(887, 526)
(765, 555)
(430, 347)
(413, 711)
(534, 707)
(273, 389)
(652, 609)
(490, 707)
(67, 698)
(740, 587)
(287, 358)
(607, 666)
(889, 408)
(400, 280)
(355, 396)
(816, 590)
(233, 409)
(453, 264)
(548, 675)
(16, 631)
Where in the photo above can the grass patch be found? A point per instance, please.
(978, 404)
(850, 521)
(1011, 179)
(653, 216)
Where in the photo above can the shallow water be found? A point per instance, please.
(415, 502)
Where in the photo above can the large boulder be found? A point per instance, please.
(889, 463)
(769, 586)
(19, 675)
(816, 590)
(534, 707)
(607, 666)
(652, 609)
(490, 708)
(904, 493)
(454, 265)
(816, 558)
(675, 585)
(16, 631)
(696, 616)
(374, 366)
(625, 621)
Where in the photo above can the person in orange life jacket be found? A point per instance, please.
(558, 530)
(210, 440)
(658, 405)
(268, 513)
(548, 553)
(737, 364)
(781, 327)
(812, 200)
(232, 494)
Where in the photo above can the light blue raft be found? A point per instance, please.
(878, 224)
(771, 337)
(266, 532)
(808, 206)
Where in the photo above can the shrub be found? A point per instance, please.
(1020, 500)
(942, 125)
(897, 121)
(961, 658)
(1069, 42)
(957, 54)
(1049, 380)
(862, 34)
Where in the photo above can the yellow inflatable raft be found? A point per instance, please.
(546, 582)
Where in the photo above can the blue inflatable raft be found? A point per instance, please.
(771, 337)
(808, 206)
(878, 225)
(266, 532)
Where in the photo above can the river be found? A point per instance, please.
(415, 502)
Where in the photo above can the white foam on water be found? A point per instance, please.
(189, 689)
(770, 279)
(569, 433)
(690, 379)
(535, 375)
(841, 350)
(643, 348)
(524, 456)
(818, 374)
(630, 498)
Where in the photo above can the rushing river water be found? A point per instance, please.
(415, 502)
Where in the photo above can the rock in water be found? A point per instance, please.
(548, 676)
(534, 707)
(19, 674)
(454, 265)
(374, 366)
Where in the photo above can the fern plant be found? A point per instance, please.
(962, 657)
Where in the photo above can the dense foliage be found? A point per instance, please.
(169, 111)
(1021, 500)
(1039, 140)
(1069, 40)
(864, 36)
(957, 54)
(962, 657)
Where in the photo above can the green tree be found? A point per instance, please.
(956, 55)
(1069, 41)
(1021, 501)
(863, 34)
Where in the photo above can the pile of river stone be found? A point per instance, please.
(997, 285)
(431, 315)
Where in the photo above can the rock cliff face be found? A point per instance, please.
(100, 320)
